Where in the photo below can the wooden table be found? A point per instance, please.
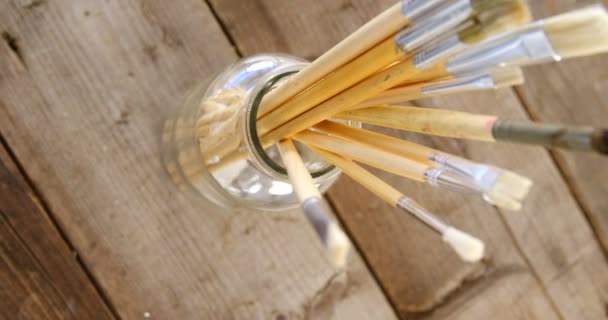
(92, 228)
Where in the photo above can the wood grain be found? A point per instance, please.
(84, 88)
(538, 256)
(574, 91)
(551, 232)
(40, 277)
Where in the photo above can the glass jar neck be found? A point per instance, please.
(259, 155)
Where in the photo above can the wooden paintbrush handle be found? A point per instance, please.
(362, 176)
(349, 74)
(299, 176)
(394, 145)
(363, 153)
(377, 29)
(373, 85)
(394, 96)
(437, 122)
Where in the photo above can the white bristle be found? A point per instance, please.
(338, 245)
(469, 248)
(501, 200)
(518, 186)
(578, 33)
(509, 190)
(507, 77)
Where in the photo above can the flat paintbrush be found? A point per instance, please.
(574, 34)
(397, 74)
(486, 80)
(500, 187)
(382, 26)
(465, 177)
(490, 16)
(469, 248)
(578, 33)
(313, 205)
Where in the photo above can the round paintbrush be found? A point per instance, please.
(469, 248)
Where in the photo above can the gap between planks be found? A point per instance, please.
(224, 28)
(566, 176)
(361, 252)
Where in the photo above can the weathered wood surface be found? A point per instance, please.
(544, 261)
(40, 277)
(84, 88)
(574, 91)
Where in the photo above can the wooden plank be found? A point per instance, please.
(542, 252)
(574, 92)
(41, 279)
(303, 28)
(421, 274)
(550, 231)
(84, 88)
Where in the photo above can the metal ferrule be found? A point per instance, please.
(549, 135)
(483, 176)
(518, 49)
(438, 52)
(317, 213)
(422, 214)
(432, 26)
(413, 9)
(480, 81)
(444, 178)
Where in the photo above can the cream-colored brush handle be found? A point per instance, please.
(377, 29)
(363, 153)
(300, 178)
(437, 122)
(371, 86)
(394, 145)
(368, 180)
(344, 77)
(394, 96)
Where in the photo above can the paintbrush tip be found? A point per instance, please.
(578, 33)
(469, 248)
(509, 190)
(338, 245)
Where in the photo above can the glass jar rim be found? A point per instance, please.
(253, 131)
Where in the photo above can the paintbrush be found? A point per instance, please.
(382, 26)
(455, 124)
(574, 34)
(467, 247)
(428, 28)
(485, 80)
(449, 173)
(500, 187)
(313, 205)
(391, 77)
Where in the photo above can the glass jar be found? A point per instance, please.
(210, 145)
